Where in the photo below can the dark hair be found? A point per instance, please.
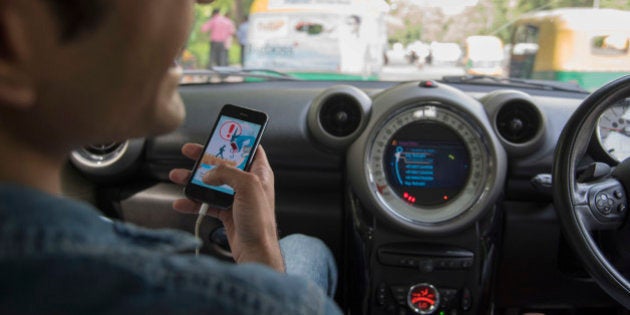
(77, 17)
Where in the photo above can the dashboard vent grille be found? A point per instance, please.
(99, 155)
(103, 149)
(108, 162)
(518, 122)
(340, 115)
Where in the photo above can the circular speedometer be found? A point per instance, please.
(613, 131)
(427, 164)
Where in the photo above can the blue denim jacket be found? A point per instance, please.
(57, 256)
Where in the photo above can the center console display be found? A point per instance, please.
(426, 163)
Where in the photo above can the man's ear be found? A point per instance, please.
(17, 88)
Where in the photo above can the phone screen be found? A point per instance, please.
(232, 143)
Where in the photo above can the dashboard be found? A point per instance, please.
(433, 197)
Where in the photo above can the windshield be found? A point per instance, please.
(579, 42)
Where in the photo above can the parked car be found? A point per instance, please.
(445, 54)
(484, 55)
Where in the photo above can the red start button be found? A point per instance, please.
(428, 84)
(423, 298)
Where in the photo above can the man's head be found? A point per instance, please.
(74, 72)
(77, 17)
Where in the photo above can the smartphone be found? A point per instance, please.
(233, 140)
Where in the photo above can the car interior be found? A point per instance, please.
(481, 169)
(436, 196)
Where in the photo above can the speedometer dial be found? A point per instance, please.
(613, 131)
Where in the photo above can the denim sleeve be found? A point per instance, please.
(218, 288)
(138, 283)
(67, 260)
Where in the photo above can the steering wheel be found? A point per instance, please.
(593, 200)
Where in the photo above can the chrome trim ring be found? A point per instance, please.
(475, 187)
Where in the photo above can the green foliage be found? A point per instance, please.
(411, 33)
(502, 18)
(198, 42)
(234, 54)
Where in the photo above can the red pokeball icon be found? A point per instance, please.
(228, 129)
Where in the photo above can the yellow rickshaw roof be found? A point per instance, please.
(581, 18)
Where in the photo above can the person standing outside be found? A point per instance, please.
(241, 33)
(221, 30)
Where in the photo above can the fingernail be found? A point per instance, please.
(207, 175)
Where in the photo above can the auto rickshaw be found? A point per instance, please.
(580, 45)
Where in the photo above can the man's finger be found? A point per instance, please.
(192, 151)
(179, 176)
(227, 175)
(260, 166)
(260, 159)
(186, 206)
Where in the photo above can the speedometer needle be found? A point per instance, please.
(624, 131)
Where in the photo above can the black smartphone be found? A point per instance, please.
(233, 140)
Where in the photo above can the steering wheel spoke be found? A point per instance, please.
(601, 205)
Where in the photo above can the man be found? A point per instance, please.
(70, 75)
(221, 30)
(241, 33)
(353, 47)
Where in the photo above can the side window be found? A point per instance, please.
(609, 45)
(524, 51)
(526, 40)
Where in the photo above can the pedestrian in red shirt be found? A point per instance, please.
(221, 30)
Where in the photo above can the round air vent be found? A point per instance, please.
(518, 122)
(100, 155)
(108, 161)
(338, 115)
(102, 152)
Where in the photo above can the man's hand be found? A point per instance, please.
(250, 223)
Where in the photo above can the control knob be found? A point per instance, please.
(423, 298)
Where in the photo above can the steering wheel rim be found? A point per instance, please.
(572, 144)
